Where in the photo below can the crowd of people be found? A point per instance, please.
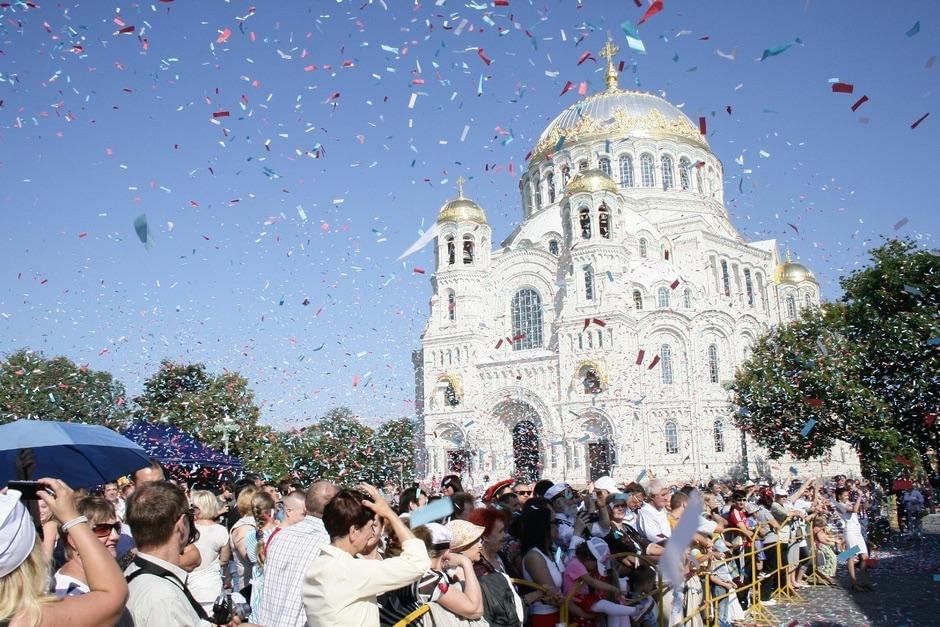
(151, 552)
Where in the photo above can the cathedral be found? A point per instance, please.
(599, 337)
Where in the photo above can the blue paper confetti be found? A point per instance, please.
(435, 510)
(849, 553)
(913, 30)
(808, 427)
(772, 52)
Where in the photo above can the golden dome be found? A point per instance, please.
(591, 181)
(793, 272)
(461, 209)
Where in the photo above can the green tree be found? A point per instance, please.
(394, 443)
(203, 405)
(34, 386)
(864, 369)
(338, 448)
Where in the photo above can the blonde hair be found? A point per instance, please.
(24, 591)
(244, 500)
(97, 509)
(261, 506)
(207, 502)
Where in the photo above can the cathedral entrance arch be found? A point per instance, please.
(600, 447)
(524, 425)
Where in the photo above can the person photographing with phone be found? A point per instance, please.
(24, 573)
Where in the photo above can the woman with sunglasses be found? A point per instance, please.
(71, 580)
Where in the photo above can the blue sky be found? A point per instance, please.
(347, 126)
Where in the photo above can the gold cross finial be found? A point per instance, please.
(789, 255)
(608, 52)
(460, 181)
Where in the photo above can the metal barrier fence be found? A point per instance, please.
(706, 614)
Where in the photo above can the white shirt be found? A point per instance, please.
(340, 591)
(653, 523)
(289, 555)
(205, 581)
(157, 601)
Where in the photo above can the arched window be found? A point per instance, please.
(582, 165)
(760, 286)
(687, 298)
(626, 171)
(663, 298)
(725, 278)
(526, 315)
(603, 221)
(565, 176)
(588, 283)
(637, 300)
(451, 306)
(591, 382)
(647, 176)
(538, 194)
(450, 395)
(685, 178)
(748, 287)
(668, 176)
(719, 437)
(550, 181)
(643, 249)
(808, 299)
(553, 247)
(603, 165)
(671, 434)
(713, 363)
(584, 220)
(467, 250)
(451, 251)
(698, 180)
(665, 363)
(791, 307)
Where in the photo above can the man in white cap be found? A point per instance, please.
(564, 514)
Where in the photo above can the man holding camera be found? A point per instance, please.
(163, 526)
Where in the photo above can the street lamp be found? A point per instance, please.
(225, 428)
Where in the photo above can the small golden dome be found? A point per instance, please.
(461, 209)
(591, 181)
(793, 272)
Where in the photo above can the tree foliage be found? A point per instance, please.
(864, 369)
(34, 386)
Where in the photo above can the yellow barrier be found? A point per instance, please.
(416, 614)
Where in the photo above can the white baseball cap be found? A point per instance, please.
(605, 483)
(555, 490)
(17, 533)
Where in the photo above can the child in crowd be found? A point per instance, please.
(722, 580)
(584, 574)
(826, 561)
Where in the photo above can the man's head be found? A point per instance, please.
(111, 492)
(560, 498)
(678, 503)
(318, 496)
(295, 508)
(271, 490)
(158, 515)
(149, 473)
(523, 491)
(658, 493)
(411, 499)
(346, 518)
(510, 502)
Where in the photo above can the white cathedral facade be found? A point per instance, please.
(599, 336)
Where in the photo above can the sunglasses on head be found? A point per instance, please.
(103, 530)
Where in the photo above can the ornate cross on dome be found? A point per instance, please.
(608, 52)
(460, 181)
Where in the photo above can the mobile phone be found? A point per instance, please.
(28, 489)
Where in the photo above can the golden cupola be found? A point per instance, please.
(793, 272)
(461, 209)
(591, 181)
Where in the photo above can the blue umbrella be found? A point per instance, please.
(80, 455)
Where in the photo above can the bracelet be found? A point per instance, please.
(75, 521)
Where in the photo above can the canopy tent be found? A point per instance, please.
(173, 446)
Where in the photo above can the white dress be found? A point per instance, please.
(853, 528)
(205, 582)
(537, 607)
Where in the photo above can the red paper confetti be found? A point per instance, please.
(587, 323)
(564, 91)
(674, 284)
(859, 103)
(500, 3)
(585, 56)
(653, 363)
(224, 35)
(483, 56)
(919, 120)
(930, 419)
(419, 270)
(127, 30)
(499, 343)
(701, 126)
(655, 8)
(599, 322)
(83, 234)
(639, 357)
(813, 402)
(220, 114)
(843, 88)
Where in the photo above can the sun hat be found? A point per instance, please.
(441, 537)
(601, 553)
(17, 533)
(778, 491)
(465, 533)
(605, 483)
(555, 491)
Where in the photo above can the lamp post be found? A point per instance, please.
(225, 428)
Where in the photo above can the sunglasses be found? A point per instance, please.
(103, 530)
(524, 492)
